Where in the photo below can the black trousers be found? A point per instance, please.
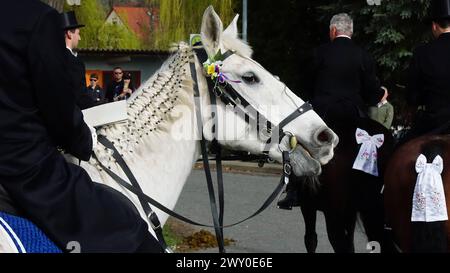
(62, 200)
(338, 112)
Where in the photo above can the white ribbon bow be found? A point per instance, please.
(366, 160)
(429, 197)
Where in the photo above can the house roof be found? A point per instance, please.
(137, 19)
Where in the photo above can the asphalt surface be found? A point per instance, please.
(273, 231)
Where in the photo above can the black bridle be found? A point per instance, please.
(228, 95)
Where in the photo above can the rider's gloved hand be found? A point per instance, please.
(94, 137)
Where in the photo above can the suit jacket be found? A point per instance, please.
(39, 113)
(429, 79)
(97, 94)
(77, 73)
(116, 88)
(36, 94)
(343, 74)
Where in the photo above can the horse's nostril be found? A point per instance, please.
(324, 136)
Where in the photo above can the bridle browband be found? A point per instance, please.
(228, 95)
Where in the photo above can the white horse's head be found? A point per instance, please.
(308, 138)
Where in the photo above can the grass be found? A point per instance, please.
(173, 240)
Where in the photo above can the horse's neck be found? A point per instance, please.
(159, 155)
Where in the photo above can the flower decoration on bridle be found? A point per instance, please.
(213, 67)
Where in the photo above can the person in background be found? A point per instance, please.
(40, 117)
(115, 87)
(76, 67)
(94, 91)
(383, 113)
(343, 84)
(127, 89)
(428, 85)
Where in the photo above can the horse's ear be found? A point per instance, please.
(212, 29)
(232, 29)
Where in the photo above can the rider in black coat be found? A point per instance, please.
(39, 114)
(343, 83)
(429, 77)
(77, 69)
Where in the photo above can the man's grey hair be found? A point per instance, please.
(343, 23)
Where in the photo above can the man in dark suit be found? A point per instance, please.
(95, 91)
(343, 85)
(344, 82)
(77, 69)
(429, 77)
(115, 87)
(37, 103)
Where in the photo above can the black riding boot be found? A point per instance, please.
(291, 199)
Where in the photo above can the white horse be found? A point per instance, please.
(160, 143)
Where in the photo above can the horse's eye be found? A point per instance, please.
(250, 78)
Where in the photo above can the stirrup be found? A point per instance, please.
(286, 204)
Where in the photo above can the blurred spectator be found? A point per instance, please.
(121, 87)
(94, 91)
(127, 87)
(383, 113)
(115, 87)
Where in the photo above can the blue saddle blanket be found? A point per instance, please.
(27, 237)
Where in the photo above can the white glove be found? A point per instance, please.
(94, 136)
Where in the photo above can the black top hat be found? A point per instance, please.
(69, 20)
(440, 9)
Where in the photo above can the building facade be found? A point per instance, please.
(141, 63)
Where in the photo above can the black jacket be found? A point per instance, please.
(36, 93)
(114, 89)
(96, 95)
(39, 113)
(429, 79)
(77, 72)
(343, 79)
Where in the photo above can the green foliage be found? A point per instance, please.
(172, 239)
(113, 36)
(92, 15)
(179, 18)
(389, 31)
(283, 34)
(97, 34)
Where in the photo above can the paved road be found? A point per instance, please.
(273, 231)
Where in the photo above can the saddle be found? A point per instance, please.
(7, 204)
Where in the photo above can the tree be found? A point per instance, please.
(113, 36)
(97, 34)
(180, 18)
(283, 33)
(92, 15)
(390, 31)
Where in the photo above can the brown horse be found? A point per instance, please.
(341, 192)
(400, 180)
